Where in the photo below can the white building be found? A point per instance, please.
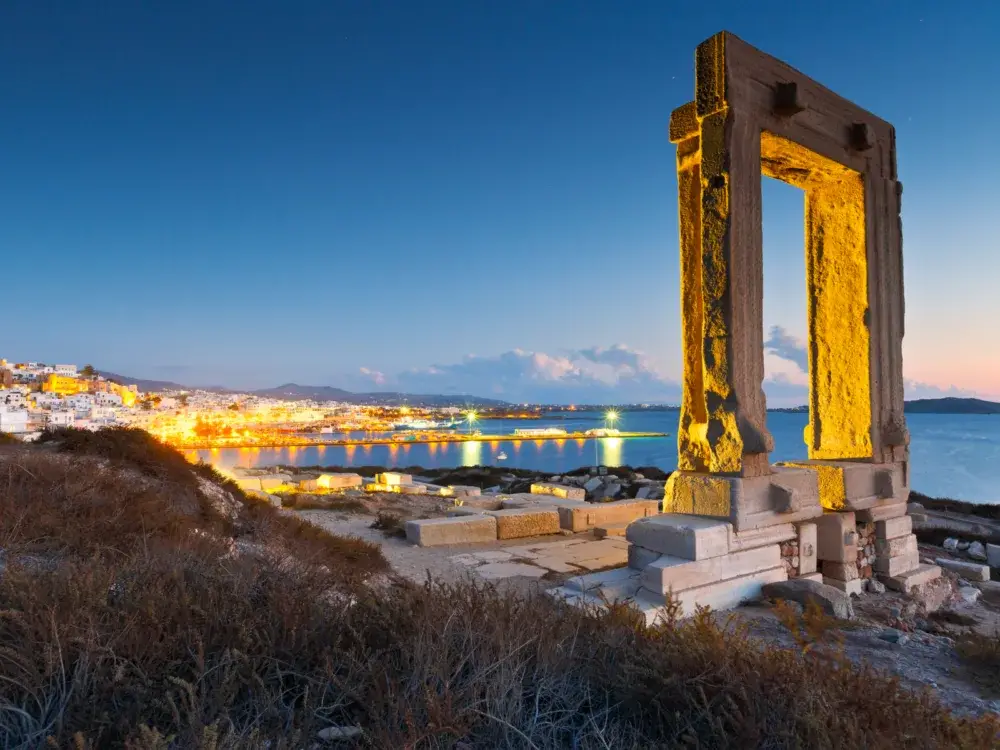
(69, 370)
(103, 415)
(11, 397)
(13, 420)
(61, 419)
(79, 402)
(45, 400)
(102, 398)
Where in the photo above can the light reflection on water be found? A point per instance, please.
(950, 455)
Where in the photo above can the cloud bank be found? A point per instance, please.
(617, 374)
(780, 344)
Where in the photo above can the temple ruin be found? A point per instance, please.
(732, 520)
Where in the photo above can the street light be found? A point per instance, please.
(470, 418)
(611, 417)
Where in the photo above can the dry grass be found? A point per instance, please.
(981, 655)
(337, 502)
(136, 612)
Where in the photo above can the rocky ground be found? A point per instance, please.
(914, 638)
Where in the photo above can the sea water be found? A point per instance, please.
(951, 455)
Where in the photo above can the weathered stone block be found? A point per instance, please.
(678, 574)
(611, 530)
(762, 537)
(588, 515)
(437, 532)
(558, 490)
(640, 557)
(881, 512)
(910, 579)
(901, 545)
(273, 481)
(993, 555)
(517, 523)
(840, 571)
(700, 494)
(808, 548)
(854, 485)
(464, 490)
(726, 594)
(836, 537)
(853, 587)
(337, 481)
(688, 537)
(393, 477)
(970, 571)
(893, 528)
(894, 566)
(804, 591)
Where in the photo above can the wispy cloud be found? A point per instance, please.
(782, 344)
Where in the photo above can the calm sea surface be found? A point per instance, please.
(951, 455)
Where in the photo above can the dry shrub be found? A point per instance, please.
(163, 637)
(390, 524)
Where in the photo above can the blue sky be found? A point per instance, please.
(265, 192)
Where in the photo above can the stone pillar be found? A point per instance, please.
(754, 116)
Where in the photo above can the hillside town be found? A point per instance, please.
(35, 396)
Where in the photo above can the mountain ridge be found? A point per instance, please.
(297, 392)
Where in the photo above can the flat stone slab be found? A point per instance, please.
(681, 535)
(970, 571)
(497, 570)
(596, 580)
(833, 602)
(497, 555)
(438, 532)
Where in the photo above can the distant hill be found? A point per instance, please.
(160, 385)
(952, 406)
(296, 392)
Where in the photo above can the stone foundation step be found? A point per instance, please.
(622, 586)
(907, 581)
(677, 574)
(611, 529)
(681, 535)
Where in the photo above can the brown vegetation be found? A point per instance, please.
(981, 654)
(139, 608)
(390, 524)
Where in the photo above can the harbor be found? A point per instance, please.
(416, 438)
